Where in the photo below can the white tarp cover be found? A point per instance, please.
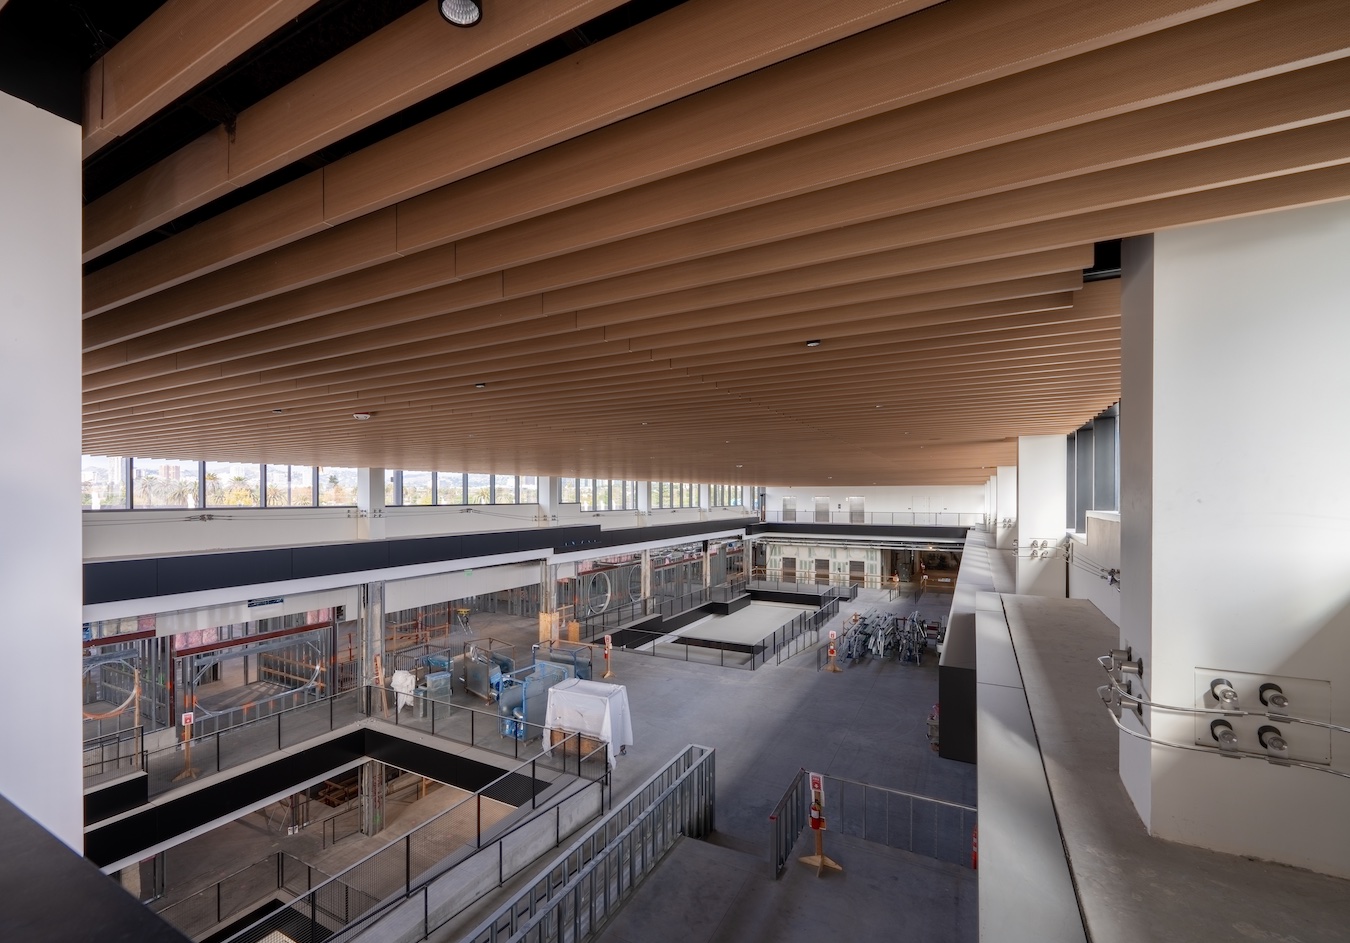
(404, 682)
(592, 708)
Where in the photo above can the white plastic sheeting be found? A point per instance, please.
(594, 709)
(403, 682)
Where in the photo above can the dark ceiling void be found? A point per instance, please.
(329, 29)
(1105, 261)
(45, 46)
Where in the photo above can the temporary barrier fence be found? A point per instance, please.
(936, 828)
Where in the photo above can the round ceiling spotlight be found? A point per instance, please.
(813, 343)
(464, 13)
(361, 417)
(480, 386)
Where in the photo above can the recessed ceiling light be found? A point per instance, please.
(480, 386)
(461, 12)
(278, 412)
(361, 416)
(740, 466)
(813, 343)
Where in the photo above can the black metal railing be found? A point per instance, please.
(936, 828)
(199, 756)
(591, 880)
(796, 636)
(112, 754)
(410, 864)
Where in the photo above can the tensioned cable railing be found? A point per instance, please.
(935, 828)
(573, 898)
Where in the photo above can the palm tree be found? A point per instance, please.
(215, 490)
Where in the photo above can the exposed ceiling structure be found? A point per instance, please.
(595, 238)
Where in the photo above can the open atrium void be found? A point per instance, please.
(705, 470)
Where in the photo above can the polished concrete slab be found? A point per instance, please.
(702, 893)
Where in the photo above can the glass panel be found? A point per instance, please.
(529, 489)
(480, 488)
(690, 495)
(449, 487)
(391, 495)
(103, 482)
(337, 486)
(231, 484)
(586, 493)
(165, 483)
(290, 486)
(665, 495)
(630, 495)
(416, 487)
(504, 489)
(567, 491)
(602, 494)
(654, 498)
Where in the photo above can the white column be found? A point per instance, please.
(1005, 531)
(1235, 522)
(370, 503)
(1041, 497)
(644, 501)
(548, 499)
(40, 553)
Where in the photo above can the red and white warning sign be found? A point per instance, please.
(187, 719)
(817, 809)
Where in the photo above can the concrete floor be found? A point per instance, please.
(702, 893)
(866, 723)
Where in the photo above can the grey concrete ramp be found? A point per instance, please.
(704, 893)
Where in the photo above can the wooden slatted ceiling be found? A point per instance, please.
(636, 277)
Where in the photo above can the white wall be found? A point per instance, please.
(936, 499)
(130, 534)
(1093, 552)
(1244, 492)
(40, 577)
(1041, 497)
(460, 584)
(1005, 484)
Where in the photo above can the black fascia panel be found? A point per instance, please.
(120, 579)
(339, 558)
(425, 550)
(217, 570)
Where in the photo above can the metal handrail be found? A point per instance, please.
(203, 745)
(347, 880)
(623, 847)
(788, 819)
